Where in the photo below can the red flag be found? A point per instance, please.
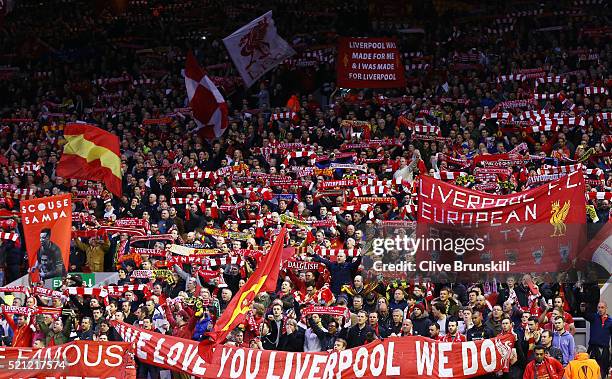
(207, 104)
(91, 153)
(293, 104)
(263, 280)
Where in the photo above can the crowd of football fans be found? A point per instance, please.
(119, 68)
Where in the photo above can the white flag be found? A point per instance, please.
(256, 48)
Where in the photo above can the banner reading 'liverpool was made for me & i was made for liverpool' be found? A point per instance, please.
(369, 63)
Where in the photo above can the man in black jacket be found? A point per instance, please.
(293, 339)
(276, 322)
(394, 327)
(86, 332)
(356, 335)
(420, 321)
(546, 341)
(517, 293)
(342, 271)
(479, 331)
(327, 338)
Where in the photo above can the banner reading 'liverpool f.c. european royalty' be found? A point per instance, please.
(47, 224)
(541, 229)
(369, 63)
(395, 357)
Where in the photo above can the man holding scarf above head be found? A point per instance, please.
(342, 271)
(601, 336)
(22, 329)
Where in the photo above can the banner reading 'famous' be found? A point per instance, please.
(369, 63)
(47, 224)
(541, 229)
(396, 357)
(77, 359)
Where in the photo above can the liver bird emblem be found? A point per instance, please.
(557, 218)
(254, 43)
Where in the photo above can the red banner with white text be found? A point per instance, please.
(369, 63)
(397, 357)
(542, 229)
(78, 359)
(47, 224)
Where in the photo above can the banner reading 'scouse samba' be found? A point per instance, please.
(541, 229)
(397, 357)
(47, 224)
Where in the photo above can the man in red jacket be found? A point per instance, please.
(22, 332)
(543, 367)
(184, 321)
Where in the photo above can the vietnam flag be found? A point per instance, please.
(262, 280)
(91, 153)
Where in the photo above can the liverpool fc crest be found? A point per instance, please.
(557, 218)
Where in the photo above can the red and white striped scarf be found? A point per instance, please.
(311, 155)
(545, 96)
(603, 116)
(283, 116)
(370, 190)
(550, 79)
(595, 91)
(19, 194)
(86, 291)
(120, 79)
(408, 209)
(511, 77)
(28, 168)
(196, 174)
(599, 173)
(188, 200)
(448, 175)
(540, 114)
(266, 193)
(505, 116)
(28, 311)
(417, 66)
(418, 128)
(366, 208)
(227, 260)
(559, 121)
(599, 195)
(545, 127)
(334, 252)
(145, 81)
(9, 236)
